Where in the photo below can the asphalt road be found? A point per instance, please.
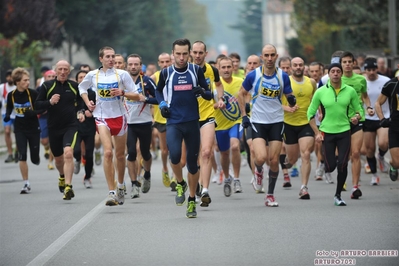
(42, 229)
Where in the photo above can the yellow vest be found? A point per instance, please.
(157, 113)
(206, 109)
(303, 92)
(227, 118)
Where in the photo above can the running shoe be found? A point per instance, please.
(287, 181)
(61, 184)
(191, 209)
(367, 169)
(215, 177)
(356, 193)
(112, 199)
(76, 167)
(237, 186)
(393, 173)
(97, 157)
(87, 182)
(146, 185)
(227, 186)
(294, 172)
(68, 192)
(25, 189)
(165, 179)
(205, 199)
(257, 183)
(319, 172)
(287, 163)
(120, 194)
(303, 193)
(221, 177)
(173, 184)
(180, 194)
(338, 201)
(329, 179)
(270, 201)
(9, 159)
(382, 164)
(50, 166)
(135, 191)
(375, 180)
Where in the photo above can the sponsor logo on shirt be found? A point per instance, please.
(185, 87)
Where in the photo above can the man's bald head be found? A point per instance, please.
(62, 69)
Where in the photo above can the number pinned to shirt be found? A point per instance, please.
(104, 93)
(270, 93)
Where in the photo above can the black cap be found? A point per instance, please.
(335, 65)
(370, 63)
(44, 69)
(8, 72)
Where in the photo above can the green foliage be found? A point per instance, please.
(16, 53)
(327, 26)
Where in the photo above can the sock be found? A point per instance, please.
(191, 199)
(259, 169)
(147, 175)
(27, 182)
(120, 185)
(303, 186)
(204, 189)
(183, 183)
(112, 192)
(372, 164)
(62, 176)
(381, 152)
(272, 181)
(236, 179)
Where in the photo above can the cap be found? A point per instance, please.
(335, 60)
(44, 69)
(334, 65)
(49, 72)
(370, 63)
(8, 72)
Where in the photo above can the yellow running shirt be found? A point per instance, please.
(206, 109)
(157, 113)
(303, 92)
(227, 118)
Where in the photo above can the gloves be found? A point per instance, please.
(385, 122)
(247, 108)
(198, 91)
(6, 119)
(245, 121)
(291, 100)
(29, 113)
(165, 111)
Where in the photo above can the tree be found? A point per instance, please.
(250, 23)
(326, 26)
(37, 19)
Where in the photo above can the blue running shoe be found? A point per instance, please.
(294, 172)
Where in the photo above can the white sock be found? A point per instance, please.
(27, 182)
(235, 178)
(112, 191)
(120, 185)
(303, 186)
(204, 190)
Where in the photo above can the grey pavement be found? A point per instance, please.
(42, 229)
